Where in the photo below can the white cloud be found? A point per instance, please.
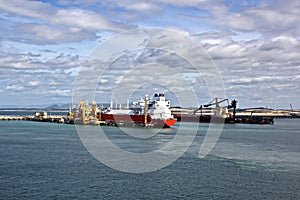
(183, 3)
(257, 71)
(33, 83)
(34, 78)
(256, 46)
(35, 9)
(83, 19)
(237, 21)
(53, 25)
(15, 88)
(275, 18)
(141, 6)
(65, 93)
(46, 34)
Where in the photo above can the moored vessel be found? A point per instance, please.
(219, 114)
(154, 112)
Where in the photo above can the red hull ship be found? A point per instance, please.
(133, 120)
(153, 113)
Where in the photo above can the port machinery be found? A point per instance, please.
(219, 114)
(154, 112)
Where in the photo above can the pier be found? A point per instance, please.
(7, 117)
(55, 119)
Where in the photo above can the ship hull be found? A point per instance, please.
(167, 123)
(214, 119)
(203, 119)
(133, 120)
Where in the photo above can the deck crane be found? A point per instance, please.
(211, 103)
(233, 105)
(219, 111)
(294, 113)
(216, 102)
(196, 110)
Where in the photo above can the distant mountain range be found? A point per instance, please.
(33, 107)
(59, 107)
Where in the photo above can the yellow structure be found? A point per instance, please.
(94, 110)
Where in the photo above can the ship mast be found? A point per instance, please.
(145, 110)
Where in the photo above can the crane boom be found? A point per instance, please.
(211, 103)
(291, 107)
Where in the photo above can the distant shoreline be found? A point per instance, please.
(34, 109)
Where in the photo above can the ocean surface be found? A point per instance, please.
(48, 161)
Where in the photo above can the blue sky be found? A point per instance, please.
(255, 44)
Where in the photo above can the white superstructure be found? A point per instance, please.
(159, 108)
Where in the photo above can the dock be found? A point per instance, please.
(55, 119)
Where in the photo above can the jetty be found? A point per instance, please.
(92, 115)
(39, 117)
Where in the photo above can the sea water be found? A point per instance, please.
(48, 161)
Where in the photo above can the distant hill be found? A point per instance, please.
(35, 107)
(58, 107)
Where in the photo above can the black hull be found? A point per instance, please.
(203, 119)
(214, 119)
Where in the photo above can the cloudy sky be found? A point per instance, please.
(255, 44)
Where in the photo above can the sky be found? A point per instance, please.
(254, 44)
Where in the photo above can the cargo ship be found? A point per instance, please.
(203, 118)
(154, 112)
(219, 114)
(148, 112)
